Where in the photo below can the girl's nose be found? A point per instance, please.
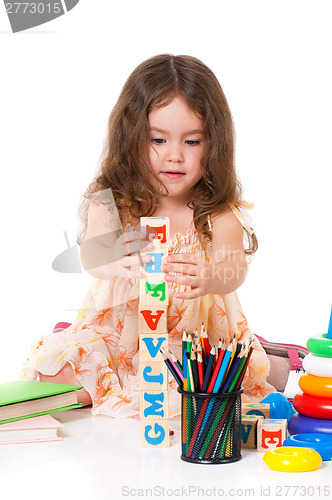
(175, 154)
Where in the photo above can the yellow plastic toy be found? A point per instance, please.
(316, 386)
(292, 459)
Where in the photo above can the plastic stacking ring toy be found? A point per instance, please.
(299, 424)
(320, 345)
(313, 406)
(318, 441)
(292, 459)
(316, 386)
(316, 365)
(280, 407)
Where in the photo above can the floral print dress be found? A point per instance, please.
(101, 345)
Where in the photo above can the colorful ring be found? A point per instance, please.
(320, 345)
(320, 442)
(316, 386)
(292, 459)
(316, 365)
(299, 424)
(313, 406)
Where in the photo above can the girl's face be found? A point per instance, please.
(176, 148)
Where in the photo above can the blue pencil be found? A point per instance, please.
(231, 373)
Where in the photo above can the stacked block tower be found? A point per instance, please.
(153, 335)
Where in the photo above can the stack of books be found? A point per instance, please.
(25, 408)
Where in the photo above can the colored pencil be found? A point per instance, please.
(208, 370)
(176, 361)
(185, 371)
(200, 366)
(190, 379)
(243, 372)
(169, 357)
(231, 373)
(195, 371)
(184, 343)
(215, 389)
(172, 369)
(223, 368)
(205, 342)
(216, 371)
(189, 342)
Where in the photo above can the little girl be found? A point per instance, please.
(169, 152)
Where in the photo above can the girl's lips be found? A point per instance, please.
(173, 175)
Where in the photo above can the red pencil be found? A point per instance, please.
(200, 366)
(216, 370)
(206, 345)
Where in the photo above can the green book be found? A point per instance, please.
(24, 399)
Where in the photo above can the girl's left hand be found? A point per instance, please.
(196, 273)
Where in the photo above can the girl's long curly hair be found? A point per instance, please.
(125, 165)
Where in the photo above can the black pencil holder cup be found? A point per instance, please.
(211, 427)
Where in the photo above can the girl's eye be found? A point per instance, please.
(192, 143)
(158, 140)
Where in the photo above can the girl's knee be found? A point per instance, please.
(66, 376)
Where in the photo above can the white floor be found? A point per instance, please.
(100, 457)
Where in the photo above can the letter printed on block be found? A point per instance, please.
(152, 319)
(153, 376)
(154, 404)
(156, 230)
(153, 291)
(150, 345)
(271, 433)
(155, 434)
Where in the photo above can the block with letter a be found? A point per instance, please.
(152, 319)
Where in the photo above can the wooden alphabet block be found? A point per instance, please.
(150, 345)
(262, 409)
(249, 430)
(152, 319)
(153, 405)
(156, 230)
(271, 433)
(153, 291)
(154, 433)
(153, 376)
(153, 268)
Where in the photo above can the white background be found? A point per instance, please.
(58, 84)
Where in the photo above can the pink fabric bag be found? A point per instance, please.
(283, 359)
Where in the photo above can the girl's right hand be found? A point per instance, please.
(108, 255)
(125, 254)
